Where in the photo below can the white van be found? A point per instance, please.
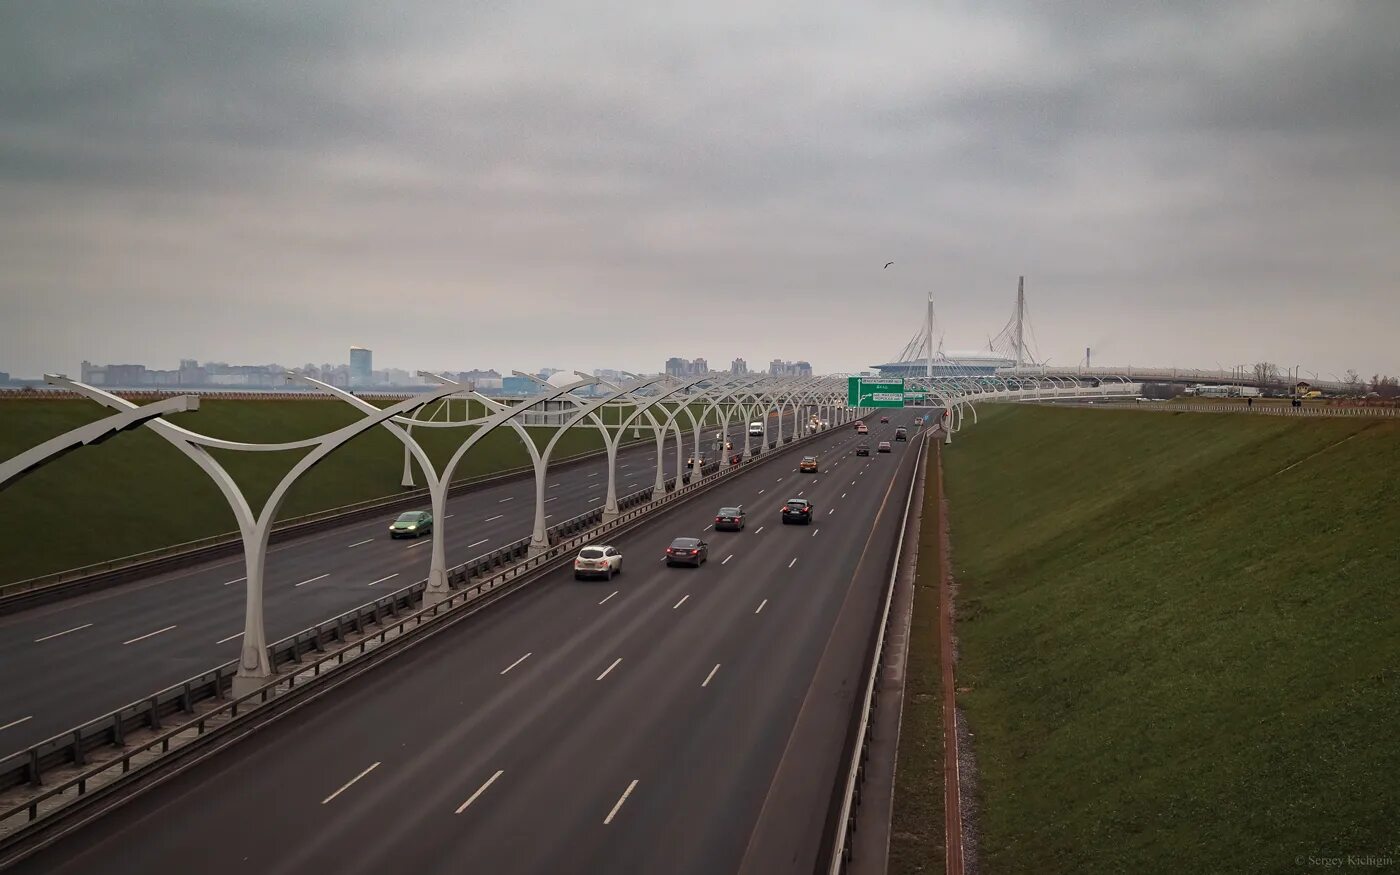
(755, 429)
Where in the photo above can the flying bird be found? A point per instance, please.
(887, 264)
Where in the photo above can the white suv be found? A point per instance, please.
(755, 429)
(597, 561)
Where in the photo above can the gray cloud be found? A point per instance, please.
(589, 185)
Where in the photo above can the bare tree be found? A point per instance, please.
(1265, 374)
(1354, 382)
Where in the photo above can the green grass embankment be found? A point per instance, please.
(1181, 635)
(136, 492)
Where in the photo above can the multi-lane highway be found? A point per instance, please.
(637, 725)
(75, 661)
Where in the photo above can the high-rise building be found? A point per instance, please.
(679, 367)
(738, 367)
(780, 368)
(361, 366)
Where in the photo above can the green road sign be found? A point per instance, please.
(861, 392)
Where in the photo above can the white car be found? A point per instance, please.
(597, 561)
(755, 429)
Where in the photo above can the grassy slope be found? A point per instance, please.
(1184, 653)
(136, 492)
(916, 833)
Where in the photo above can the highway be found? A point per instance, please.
(647, 724)
(74, 661)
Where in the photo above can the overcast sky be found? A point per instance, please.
(598, 184)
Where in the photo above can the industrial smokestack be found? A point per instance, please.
(1087, 362)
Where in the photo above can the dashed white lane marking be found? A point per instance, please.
(232, 582)
(416, 543)
(479, 790)
(757, 530)
(494, 518)
(449, 516)
(760, 606)
(148, 635)
(761, 491)
(517, 662)
(608, 669)
(64, 632)
(554, 486)
(16, 722)
(504, 500)
(322, 576)
(799, 495)
(229, 638)
(595, 485)
(478, 543)
(710, 676)
(548, 500)
(349, 783)
(843, 495)
(814, 532)
(707, 528)
(727, 558)
(621, 799)
(591, 500)
(793, 562)
(610, 595)
(361, 543)
(382, 579)
(681, 602)
(594, 474)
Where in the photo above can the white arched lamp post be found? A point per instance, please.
(13, 469)
(254, 666)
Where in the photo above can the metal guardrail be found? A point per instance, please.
(489, 571)
(840, 853)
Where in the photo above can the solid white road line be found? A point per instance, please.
(148, 635)
(229, 638)
(479, 790)
(608, 669)
(517, 662)
(64, 632)
(760, 606)
(382, 579)
(610, 595)
(504, 500)
(727, 558)
(708, 677)
(681, 602)
(361, 543)
(349, 783)
(757, 530)
(623, 798)
(793, 562)
(323, 576)
(16, 722)
(494, 518)
(231, 582)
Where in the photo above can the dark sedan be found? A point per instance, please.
(862, 449)
(797, 510)
(687, 551)
(729, 519)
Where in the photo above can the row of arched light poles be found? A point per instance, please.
(660, 404)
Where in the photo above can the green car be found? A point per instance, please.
(412, 524)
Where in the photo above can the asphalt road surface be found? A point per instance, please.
(68, 663)
(631, 726)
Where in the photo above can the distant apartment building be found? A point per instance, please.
(679, 367)
(361, 366)
(738, 367)
(780, 368)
